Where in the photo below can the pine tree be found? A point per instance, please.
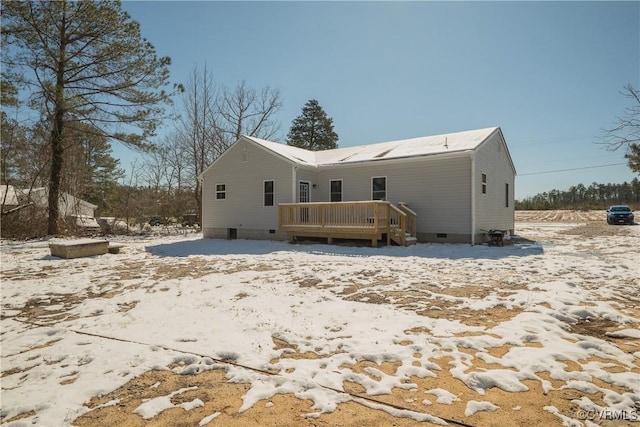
(95, 171)
(313, 129)
(84, 61)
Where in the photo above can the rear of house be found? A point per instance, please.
(459, 185)
(241, 192)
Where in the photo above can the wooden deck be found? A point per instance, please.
(369, 220)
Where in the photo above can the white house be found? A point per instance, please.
(455, 186)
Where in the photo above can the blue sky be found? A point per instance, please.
(548, 73)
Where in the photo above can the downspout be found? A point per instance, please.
(294, 174)
(473, 197)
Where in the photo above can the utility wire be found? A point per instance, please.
(354, 396)
(572, 169)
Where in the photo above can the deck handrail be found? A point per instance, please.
(356, 202)
(368, 214)
(397, 225)
(412, 219)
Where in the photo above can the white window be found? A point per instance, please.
(221, 191)
(269, 193)
(379, 188)
(335, 186)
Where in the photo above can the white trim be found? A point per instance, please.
(386, 190)
(473, 197)
(341, 188)
(215, 186)
(294, 183)
(309, 195)
(484, 183)
(264, 193)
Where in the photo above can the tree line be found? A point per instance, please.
(595, 196)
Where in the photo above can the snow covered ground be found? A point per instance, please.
(555, 314)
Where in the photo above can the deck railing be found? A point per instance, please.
(397, 225)
(365, 219)
(412, 219)
(338, 214)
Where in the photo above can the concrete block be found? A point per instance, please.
(78, 248)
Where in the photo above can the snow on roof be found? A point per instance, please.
(295, 154)
(415, 147)
(40, 196)
(8, 195)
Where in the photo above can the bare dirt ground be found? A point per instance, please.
(560, 216)
(220, 396)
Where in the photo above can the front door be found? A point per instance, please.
(304, 197)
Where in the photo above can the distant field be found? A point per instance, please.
(560, 216)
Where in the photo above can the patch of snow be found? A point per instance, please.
(443, 396)
(153, 407)
(566, 421)
(206, 420)
(624, 333)
(195, 403)
(474, 406)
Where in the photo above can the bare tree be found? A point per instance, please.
(625, 133)
(212, 118)
(247, 111)
(176, 158)
(199, 136)
(163, 175)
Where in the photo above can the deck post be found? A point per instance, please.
(376, 215)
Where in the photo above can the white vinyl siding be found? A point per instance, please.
(495, 209)
(243, 207)
(310, 176)
(437, 189)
